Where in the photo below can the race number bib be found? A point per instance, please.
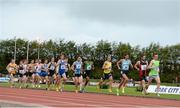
(21, 71)
(11, 69)
(63, 67)
(52, 67)
(125, 67)
(156, 68)
(143, 67)
(78, 66)
(88, 67)
(38, 69)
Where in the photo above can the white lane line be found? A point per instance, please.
(53, 101)
(70, 100)
(24, 104)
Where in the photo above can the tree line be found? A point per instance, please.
(169, 56)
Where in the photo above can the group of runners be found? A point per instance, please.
(56, 73)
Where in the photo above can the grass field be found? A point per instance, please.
(129, 91)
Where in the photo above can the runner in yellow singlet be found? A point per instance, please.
(107, 67)
(12, 69)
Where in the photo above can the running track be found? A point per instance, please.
(81, 100)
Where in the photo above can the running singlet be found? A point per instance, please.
(21, 69)
(38, 68)
(108, 66)
(52, 66)
(143, 65)
(88, 65)
(25, 68)
(62, 66)
(31, 68)
(78, 66)
(12, 68)
(143, 69)
(45, 66)
(66, 66)
(125, 65)
(155, 68)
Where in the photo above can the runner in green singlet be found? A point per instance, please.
(88, 67)
(154, 72)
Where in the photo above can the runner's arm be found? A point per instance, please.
(72, 67)
(7, 68)
(150, 65)
(136, 65)
(117, 64)
(82, 69)
(56, 64)
(69, 66)
(92, 66)
(147, 65)
(49, 65)
(104, 65)
(131, 66)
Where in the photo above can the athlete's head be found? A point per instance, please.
(39, 61)
(143, 57)
(32, 61)
(126, 56)
(25, 61)
(12, 61)
(36, 61)
(46, 61)
(155, 56)
(88, 57)
(79, 58)
(52, 59)
(21, 62)
(109, 58)
(66, 59)
(62, 56)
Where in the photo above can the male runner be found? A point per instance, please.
(107, 67)
(77, 68)
(141, 66)
(154, 72)
(88, 67)
(12, 69)
(124, 65)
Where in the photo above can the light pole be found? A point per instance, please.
(38, 50)
(39, 42)
(27, 56)
(15, 48)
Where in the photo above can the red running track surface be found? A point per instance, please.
(81, 100)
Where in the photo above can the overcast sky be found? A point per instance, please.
(138, 22)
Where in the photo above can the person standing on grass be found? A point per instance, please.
(12, 69)
(77, 67)
(51, 72)
(107, 67)
(154, 72)
(61, 64)
(141, 66)
(88, 67)
(124, 66)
